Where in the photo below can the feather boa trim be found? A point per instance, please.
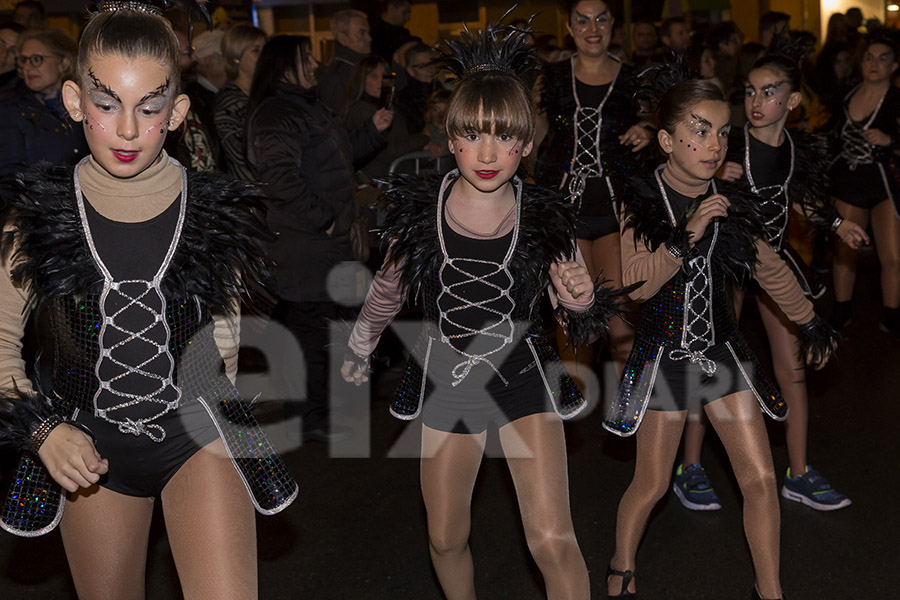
(546, 234)
(818, 341)
(20, 416)
(645, 212)
(590, 325)
(219, 245)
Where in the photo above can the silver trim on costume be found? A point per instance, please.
(461, 370)
(783, 214)
(540, 368)
(111, 286)
(699, 285)
(749, 381)
(587, 123)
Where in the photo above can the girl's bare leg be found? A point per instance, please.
(886, 230)
(212, 528)
(790, 373)
(449, 466)
(105, 537)
(535, 449)
(739, 423)
(844, 256)
(657, 444)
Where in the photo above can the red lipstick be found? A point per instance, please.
(487, 174)
(125, 156)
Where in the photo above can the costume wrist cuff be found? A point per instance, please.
(677, 250)
(836, 223)
(42, 431)
(361, 364)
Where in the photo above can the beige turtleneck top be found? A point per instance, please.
(133, 200)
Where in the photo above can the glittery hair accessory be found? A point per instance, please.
(114, 5)
(498, 48)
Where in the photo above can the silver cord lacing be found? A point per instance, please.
(501, 328)
(697, 332)
(774, 226)
(112, 291)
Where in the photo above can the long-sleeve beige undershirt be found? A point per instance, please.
(656, 268)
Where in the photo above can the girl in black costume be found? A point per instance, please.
(866, 177)
(588, 113)
(479, 248)
(686, 238)
(785, 172)
(139, 265)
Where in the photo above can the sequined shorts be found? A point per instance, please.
(140, 467)
(683, 385)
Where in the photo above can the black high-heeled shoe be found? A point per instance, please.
(626, 576)
(755, 595)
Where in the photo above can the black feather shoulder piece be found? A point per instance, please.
(735, 255)
(218, 250)
(498, 47)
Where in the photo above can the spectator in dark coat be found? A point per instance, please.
(412, 99)
(34, 125)
(388, 31)
(211, 77)
(299, 149)
(353, 42)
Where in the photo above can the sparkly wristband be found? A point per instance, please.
(837, 223)
(39, 435)
(675, 251)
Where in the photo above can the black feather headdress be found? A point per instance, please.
(497, 48)
(655, 80)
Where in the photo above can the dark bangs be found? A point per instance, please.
(491, 102)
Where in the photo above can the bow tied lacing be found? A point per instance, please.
(696, 357)
(136, 428)
(467, 365)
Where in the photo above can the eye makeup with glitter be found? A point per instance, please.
(698, 132)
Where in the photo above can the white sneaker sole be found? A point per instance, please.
(786, 493)
(693, 505)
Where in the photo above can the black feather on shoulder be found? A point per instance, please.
(546, 234)
(218, 250)
(20, 415)
(645, 213)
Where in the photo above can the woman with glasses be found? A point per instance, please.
(34, 125)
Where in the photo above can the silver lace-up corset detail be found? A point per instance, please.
(855, 149)
(698, 332)
(775, 202)
(142, 302)
(586, 155)
(496, 309)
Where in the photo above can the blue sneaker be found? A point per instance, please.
(693, 488)
(813, 490)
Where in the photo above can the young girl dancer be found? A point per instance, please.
(688, 237)
(479, 250)
(866, 134)
(140, 267)
(785, 170)
(588, 113)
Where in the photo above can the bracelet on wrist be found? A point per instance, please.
(40, 434)
(836, 224)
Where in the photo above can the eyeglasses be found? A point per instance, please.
(35, 60)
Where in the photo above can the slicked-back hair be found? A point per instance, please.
(491, 102)
(676, 103)
(131, 34)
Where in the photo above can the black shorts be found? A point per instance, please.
(590, 228)
(482, 397)
(140, 467)
(683, 385)
(863, 187)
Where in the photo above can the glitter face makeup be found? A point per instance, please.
(698, 146)
(767, 97)
(487, 161)
(590, 24)
(127, 105)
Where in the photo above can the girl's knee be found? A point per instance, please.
(759, 484)
(448, 540)
(551, 548)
